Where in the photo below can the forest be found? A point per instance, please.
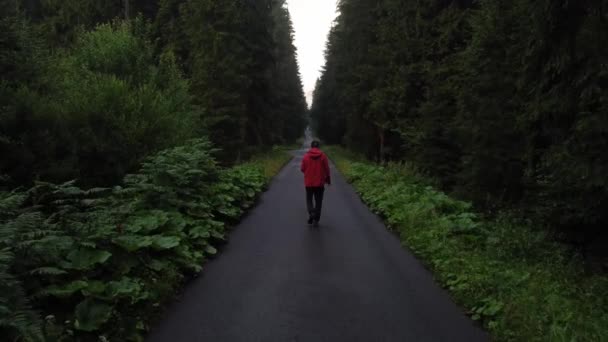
(501, 103)
(133, 134)
(87, 94)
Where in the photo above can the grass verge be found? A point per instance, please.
(509, 276)
(272, 161)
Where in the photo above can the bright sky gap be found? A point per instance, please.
(312, 20)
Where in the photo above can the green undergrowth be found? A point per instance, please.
(508, 276)
(97, 264)
(273, 161)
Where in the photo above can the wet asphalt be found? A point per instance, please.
(280, 280)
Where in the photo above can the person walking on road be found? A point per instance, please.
(315, 167)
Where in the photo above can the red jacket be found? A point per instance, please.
(315, 168)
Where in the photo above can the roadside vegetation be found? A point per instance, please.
(128, 148)
(86, 264)
(506, 273)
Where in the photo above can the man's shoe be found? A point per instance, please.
(310, 220)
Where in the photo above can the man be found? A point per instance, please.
(316, 174)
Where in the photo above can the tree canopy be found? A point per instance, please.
(504, 103)
(90, 88)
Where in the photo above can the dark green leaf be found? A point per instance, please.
(91, 314)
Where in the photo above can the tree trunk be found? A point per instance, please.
(127, 9)
(381, 136)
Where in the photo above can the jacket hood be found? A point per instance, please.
(315, 153)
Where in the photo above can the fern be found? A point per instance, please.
(17, 319)
(10, 202)
(19, 231)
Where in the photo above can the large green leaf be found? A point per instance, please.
(147, 221)
(231, 212)
(65, 290)
(218, 235)
(91, 314)
(94, 287)
(165, 242)
(158, 265)
(178, 221)
(125, 287)
(200, 211)
(133, 243)
(85, 258)
(200, 232)
(211, 250)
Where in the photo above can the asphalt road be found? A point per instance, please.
(279, 280)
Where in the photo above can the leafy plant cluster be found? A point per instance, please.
(94, 264)
(506, 274)
(504, 103)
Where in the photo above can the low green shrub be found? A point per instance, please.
(512, 278)
(96, 263)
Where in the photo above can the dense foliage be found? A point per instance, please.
(505, 103)
(242, 63)
(115, 117)
(99, 262)
(103, 106)
(87, 96)
(511, 278)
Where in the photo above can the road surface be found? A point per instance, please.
(279, 280)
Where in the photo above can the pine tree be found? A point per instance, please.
(289, 101)
(502, 103)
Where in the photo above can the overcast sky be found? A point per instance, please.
(312, 20)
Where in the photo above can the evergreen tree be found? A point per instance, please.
(504, 104)
(241, 61)
(289, 100)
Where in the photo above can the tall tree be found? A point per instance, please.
(289, 101)
(503, 104)
(242, 63)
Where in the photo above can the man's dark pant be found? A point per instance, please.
(315, 210)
